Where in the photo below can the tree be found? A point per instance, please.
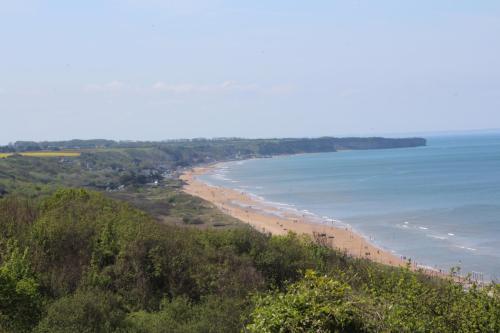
(89, 311)
(314, 304)
(20, 301)
(212, 315)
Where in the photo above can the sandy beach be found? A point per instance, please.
(267, 218)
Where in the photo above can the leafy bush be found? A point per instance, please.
(182, 315)
(314, 304)
(85, 312)
(20, 300)
(77, 261)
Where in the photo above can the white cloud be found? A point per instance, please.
(281, 89)
(187, 88)
(113, 86)
(174, 88)
(224, 87)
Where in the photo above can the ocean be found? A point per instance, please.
(438, 205)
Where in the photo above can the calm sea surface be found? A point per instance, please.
(439, 205)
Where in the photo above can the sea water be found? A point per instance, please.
(438, 205)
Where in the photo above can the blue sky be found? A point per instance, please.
(152, 69)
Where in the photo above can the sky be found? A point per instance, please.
(155, 70)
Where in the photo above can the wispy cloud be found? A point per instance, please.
(113, 86)
(226, 87)
(187, 88)
(281, 89)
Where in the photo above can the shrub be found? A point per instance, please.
(84, 312)
(314, 304)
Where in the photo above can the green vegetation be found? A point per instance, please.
(222, 148)
(101, 170)
(316, 304)
(44, 154)
(399, 302)
(115, 166)
(142, 256)
(77, 261)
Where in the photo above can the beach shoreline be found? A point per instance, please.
(266, 217)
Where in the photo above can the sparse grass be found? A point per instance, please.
(45, 154)
(173, 207)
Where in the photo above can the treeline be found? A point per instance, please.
(232, 146)
(110, 165)
(77, 261)
(24, 146)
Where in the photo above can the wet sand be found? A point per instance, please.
(271, 219)
(268, 218)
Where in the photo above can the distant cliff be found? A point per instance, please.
(329, 144)
(194, 151)
(232, 145)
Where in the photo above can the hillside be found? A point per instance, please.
(110, 165)
(142, 256)
(79, 262)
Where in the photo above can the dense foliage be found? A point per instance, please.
(314, 304)
(77, 261)
(396, 302)
(225, 145)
